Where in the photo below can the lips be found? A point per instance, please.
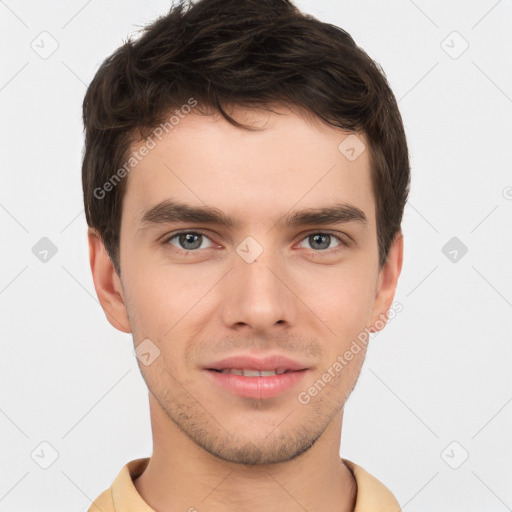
(253, 377)
(253, 373)
(249, 362)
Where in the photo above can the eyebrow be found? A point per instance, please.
(170, 211)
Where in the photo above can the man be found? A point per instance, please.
(245, 174)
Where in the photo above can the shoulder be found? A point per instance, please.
(103, 502)
(122, 496)
(372, 494)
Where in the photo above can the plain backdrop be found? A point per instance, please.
(431, 415)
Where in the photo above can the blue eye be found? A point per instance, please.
(322, 241)
(193, 241)
(189, 240)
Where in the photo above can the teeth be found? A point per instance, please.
(234, 371)
(253, 373)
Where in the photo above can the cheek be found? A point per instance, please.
(343, 299)
(169, 305)
(162, 294)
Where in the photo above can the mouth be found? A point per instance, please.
(260, 384)
(260, 378)
(252, 373)
(247, 363)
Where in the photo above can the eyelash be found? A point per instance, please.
(342, 243)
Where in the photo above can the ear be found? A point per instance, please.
(388, 280)
(107, 283)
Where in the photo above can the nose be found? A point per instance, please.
(258, 293)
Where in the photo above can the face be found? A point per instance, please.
(278, 270)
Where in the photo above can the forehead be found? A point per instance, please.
(289, 161)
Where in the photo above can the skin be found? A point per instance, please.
(214, 450)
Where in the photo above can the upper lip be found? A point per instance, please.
(251, 362)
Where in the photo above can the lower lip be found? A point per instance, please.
(257, 387)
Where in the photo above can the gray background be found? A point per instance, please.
(436, 385)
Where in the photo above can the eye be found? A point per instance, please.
(193, 241)
(322, 241)
(188, 241)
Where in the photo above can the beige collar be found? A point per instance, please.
(122, 496)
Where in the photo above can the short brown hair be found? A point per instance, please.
(250, 53)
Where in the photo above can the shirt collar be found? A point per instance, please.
(372, 494)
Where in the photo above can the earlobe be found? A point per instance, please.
(388, 280)
(107, 283)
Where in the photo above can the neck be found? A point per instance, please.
(183, 476)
